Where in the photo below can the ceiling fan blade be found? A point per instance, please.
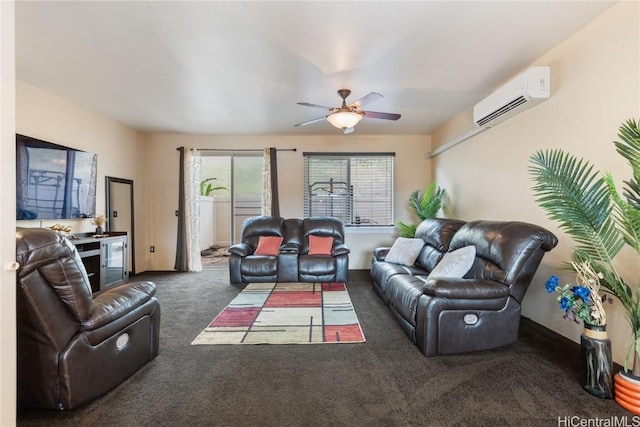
(377, 115)
(308, 122)
(347, 131)
(367, 99)
(306, 104)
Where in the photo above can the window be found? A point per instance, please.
(355, 187)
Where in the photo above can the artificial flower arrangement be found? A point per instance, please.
(99, 220)
(582, 301)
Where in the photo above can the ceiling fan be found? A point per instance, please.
(347, 116)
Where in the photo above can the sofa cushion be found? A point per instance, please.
(382, 271)
(505, 248)
(455, 264)
(319, 245)
(258, 265)
(403, 293)
(404, 251)
(321, 226)
(438, 232)
(268, 245)
(316, 265)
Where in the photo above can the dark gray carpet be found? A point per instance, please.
(383, 382)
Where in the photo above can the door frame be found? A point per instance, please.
(131, 243)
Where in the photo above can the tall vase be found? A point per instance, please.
(596, 361)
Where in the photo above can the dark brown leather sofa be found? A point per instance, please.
(73, 346)
(480, 311)
(293, 263)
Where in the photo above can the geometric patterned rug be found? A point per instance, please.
(286, 313)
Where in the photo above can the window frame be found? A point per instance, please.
(349, 198)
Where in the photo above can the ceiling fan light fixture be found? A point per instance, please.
(344, 119)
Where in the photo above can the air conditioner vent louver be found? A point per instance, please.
(510, 106)
(519, 94)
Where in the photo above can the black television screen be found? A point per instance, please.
(54, 182)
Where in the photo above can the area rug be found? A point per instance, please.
(286, 313)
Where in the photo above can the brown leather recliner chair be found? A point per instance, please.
(72, 346)
(293, 262)
(321, 268)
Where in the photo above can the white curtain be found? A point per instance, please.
(266, 183)
(192, 209)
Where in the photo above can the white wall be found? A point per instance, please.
(595, 87)
(412, 171)
(120, 150)
(7, 217)
(207, 222)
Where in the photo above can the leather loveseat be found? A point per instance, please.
(477, 311)
(294, 258)
(74, 346)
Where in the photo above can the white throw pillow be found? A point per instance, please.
(455, 264)
(404, 251)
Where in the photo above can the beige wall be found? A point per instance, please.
(412, 171)
(595, 87)
(120, 150)
(7, 217)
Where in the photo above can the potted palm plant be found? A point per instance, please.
(206, 188)
(424, 205)
(600, 219)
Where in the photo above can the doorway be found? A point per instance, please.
(235, 183)
(120, 217)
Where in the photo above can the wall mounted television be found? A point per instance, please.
(53, 181)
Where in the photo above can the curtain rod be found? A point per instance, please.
(247, 149)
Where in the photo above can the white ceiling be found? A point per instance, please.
(239, 67)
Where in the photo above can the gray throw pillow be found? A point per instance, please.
(455, 264)
(404, 251)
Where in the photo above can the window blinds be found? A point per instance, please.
(355, 187)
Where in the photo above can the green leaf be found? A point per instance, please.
(406, 230)
(427, 205)
(626, 215)
(576, 196)
(629, 148)
(206, 189)
(414, 202)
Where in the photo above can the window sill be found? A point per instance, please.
(354, 229)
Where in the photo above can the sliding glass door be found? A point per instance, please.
(246, 191)
(235, 193)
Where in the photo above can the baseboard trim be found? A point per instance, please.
(557, 343)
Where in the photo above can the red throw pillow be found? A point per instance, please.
(268, 245)
(319, 245)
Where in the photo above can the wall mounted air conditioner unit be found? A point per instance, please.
(519, 94)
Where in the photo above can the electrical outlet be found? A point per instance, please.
(152, 248)
(177, 212)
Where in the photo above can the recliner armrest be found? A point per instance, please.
(240, 249)
(380, 253)
(464, 288)
(117, 302)
(340, 249)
